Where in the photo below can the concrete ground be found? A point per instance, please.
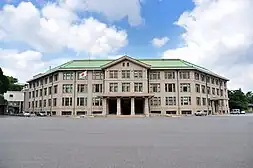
(156, 142)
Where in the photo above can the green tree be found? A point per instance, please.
(4, 82)
(237, 99)
(249, 96)
(13, 86)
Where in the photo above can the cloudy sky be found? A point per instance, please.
(216, 34)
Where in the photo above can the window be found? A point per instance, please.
(37, 93)
(198, 101)
(209, 102)
(203, 101)
(97, 75)
(82, 88)
(170, 101)
(37, 83)
(45, 103)
(45, 80)
(113, 87)
(154, 87)
(67, 75)
(197, 88)
(96, 101)
(212, 80)
(218, 91)
(81, 77)
(203, 88)
(34, 84)
(208, 79)
(185, 87)
(55, 102)
(202, 77)
(97, 88)
(29, 104)
(49, 102)
(45, 91)
(40, 103)
(125, 87)
(186, 100)
(217, 82)
(170, 87)
(221, 92)
(33, 94)
(55, 77)
(123, 64)
(184, 75)
(155, 75)
(225, 84)
(213, 91)
(55, 89)
(32, 104)
(169, 75)
(40, 92)
(208, 90)
(50, 90)
(50, 79)
(221, 83)
(81, 101)
(138, 87)
(113, 74)
(125, 74)
(155, 101)
(138, 74)
(67, 88)
(196, 76)
(29, 95)
(127, 64)
(67, 101)
(66, 113)
(41, 82)
(36, 103)
(11, 95)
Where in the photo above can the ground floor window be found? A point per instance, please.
(96, 112)
(186, 112)
(66, 113)
(155, 101)
(155, 112)
(171, 112)
(97, 101)
(81, 112)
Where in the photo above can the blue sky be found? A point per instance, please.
(216, 34)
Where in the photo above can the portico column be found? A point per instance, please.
(146, 107)
(132, 107)
(118, 106)
(104, 106)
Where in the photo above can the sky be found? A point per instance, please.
(215, 34)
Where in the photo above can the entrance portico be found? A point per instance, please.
(216, 105)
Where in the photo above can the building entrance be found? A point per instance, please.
(125, 106)
(112, 104)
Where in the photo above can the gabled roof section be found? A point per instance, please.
(138, 62)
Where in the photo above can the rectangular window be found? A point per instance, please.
(208, 79)
(50, 90)
(96, 101)
(49, 102)
(202, 77)
(41, 82)
(45, 103)
(67, 75)
(55, 77)
(67, 88)
(55, 89)
(29, 95)
(97, 88)
(125, 74)
(138, 74)
(67, 101)
(197, 88)
(113, 87)
(169, 75)
(40, 103)
(81, 101)
(203, 88)
(221, 92)
(125, 87)
(82, 88)
(32, 104)
(37, 83)
(40, 92)
(113, 74)
(218, 91)
(55, 102)
(196, 76)
(45, 80)
(36, 103)
(97, 75)
(170, 87)
(154, 87)
(33, 94)
(212, 80)
(37, 93)
(221, 83)
(45, 91)
(203, 101)
(155, 101)
(184, 75)
(217, 82)
(154, 75)
(208, 90)
(186, 100)
(198, 101)
(170, 101)
(138, 87)
(185, 87)
(29, 104)
(50, 79)
(213, 91)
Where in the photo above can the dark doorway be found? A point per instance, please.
(112, 104)
(125, 106)
(139, 106)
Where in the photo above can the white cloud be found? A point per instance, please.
(219, 35)
(54, 28)
(159, 42)
(114, 10)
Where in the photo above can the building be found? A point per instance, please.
(128, 86)
(15, 101)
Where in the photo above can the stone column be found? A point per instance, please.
(118, 106)
(105, 106)
(146, 107)
(132, 106)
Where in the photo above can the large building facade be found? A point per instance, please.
(127, 86)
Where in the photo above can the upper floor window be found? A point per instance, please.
(169, 75)
(113, 74)
(125, 87)
(170, 101)
(221, 92)
(45, 80)
(56, 77)
(34, 84)
(155, 87)
(97, 101)
(55, 89)
(97, 88)
(29, 95)
(198, 101)
(125, 74)
(138, 74)
(55, 102)
(196, 76)
(113, 87)
(203, 88)
(155, 101)
(170, 87)
(208, 79)
(185, 87)
(37, 83)
(218, 91)
(202, 77)
(81, 101)
(203, 101)
(45, 91)
(37, 93)
(225, 83)
(97, 75)
(221, 83)
(67, 88)
(217, 82)
(213, 91)
(67, 75)
(50, 79)
(212, 80)
(41, 92)
(155, 75)
(138, 87)
(82, 88)
(45, 103)
(49, 102)
(67, 101)
(184, 75)
(197, 88)
(185, 100)
(208, 90)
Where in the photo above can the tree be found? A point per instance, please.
(249, 96)
(237, 99)
(4, 82)
(13, 86)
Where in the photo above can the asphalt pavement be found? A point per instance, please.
(155, 142)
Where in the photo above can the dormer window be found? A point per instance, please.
(123, 64)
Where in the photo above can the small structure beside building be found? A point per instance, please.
(15, 102)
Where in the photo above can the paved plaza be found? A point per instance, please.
(156, 142)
